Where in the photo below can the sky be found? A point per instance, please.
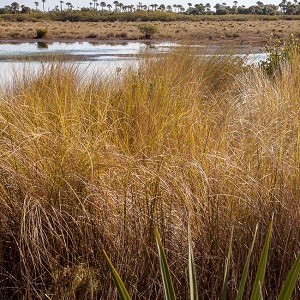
(50, 4)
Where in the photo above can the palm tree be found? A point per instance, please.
(25, 9)
(43, 1)
(208, 6)
(162, 7)
(15, 7)
(109, 7)
(283, 5)
(36, 5)
(102, 4)
(217, 6)
(61, 3)
(116, 3)
(260, 4)
(95, 3)
(169, 7)
(175, 6)
(180, 8)
(190, 5)
(69, 4)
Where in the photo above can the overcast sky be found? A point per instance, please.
(50, 4)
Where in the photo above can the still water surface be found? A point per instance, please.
(101, 57)
(90, 50)
(104, 58)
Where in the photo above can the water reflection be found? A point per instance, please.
(107, 56)
(42, 45)
(90, 50)
(112, 43)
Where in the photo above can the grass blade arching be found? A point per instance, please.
(164, 268)
(192, 271)
(117, 280)
(246, 269)
(290, 282)
(259, 278)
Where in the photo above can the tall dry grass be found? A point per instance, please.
(96, 163)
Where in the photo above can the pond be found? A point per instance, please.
(106, 57)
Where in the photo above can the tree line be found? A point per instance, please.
(283, 8)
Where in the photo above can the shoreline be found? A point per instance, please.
(237, 47)
(245, 35)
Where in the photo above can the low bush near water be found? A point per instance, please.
(279, 53)
(147, 29)
(40, 33)
(97, 163)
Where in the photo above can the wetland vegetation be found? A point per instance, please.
(199, 24)
(97, 163)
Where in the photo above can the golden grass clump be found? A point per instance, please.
(96, 163)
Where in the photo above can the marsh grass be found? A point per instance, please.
(97, 163)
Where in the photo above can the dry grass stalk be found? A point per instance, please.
(98, 163)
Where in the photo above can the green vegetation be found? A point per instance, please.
(280, 52)
(286, 291)
(138, 16)
(283, 8)
(147, 29)
(98, 163)
(118, 11)
(40, 33)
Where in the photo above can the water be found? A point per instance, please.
(91, 57)
(81, 50)
(102, 57)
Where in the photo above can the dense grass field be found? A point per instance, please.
(97, 163)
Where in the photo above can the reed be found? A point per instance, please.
(97, 163)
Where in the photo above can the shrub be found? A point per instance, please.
(22, 18)
(40, 33)
(110, 35)
(91, 36)
(123, 35)
(279, 52)
(147, 29)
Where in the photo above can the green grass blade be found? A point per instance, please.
(227, 264)
(117, 280)
(290, 282)
(246, 269)
(259, 278)
(164, 268)
(192, 271)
